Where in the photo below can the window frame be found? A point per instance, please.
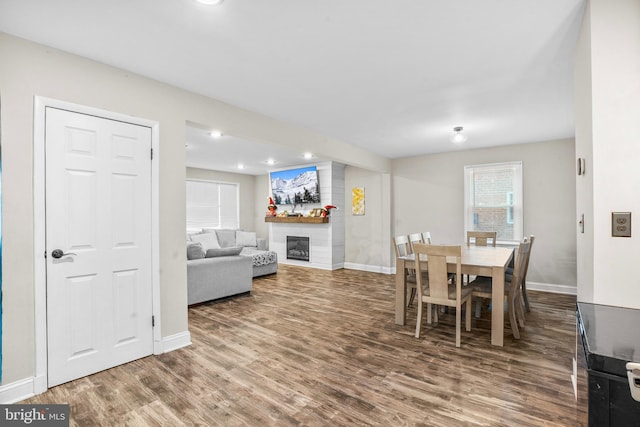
(515, 210)
(510, 207)
(217, 183)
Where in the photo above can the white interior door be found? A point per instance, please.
(98, 240)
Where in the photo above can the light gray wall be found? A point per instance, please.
(367, 237)
(28, 70)
(261, 197)
(428, 195)
(337, 224)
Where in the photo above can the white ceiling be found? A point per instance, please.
(393, 77)
(228, 152)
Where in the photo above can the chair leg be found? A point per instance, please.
(520, 316)
(418, 319)
(412, 297)
(429, 314)
(458, 315)
(478, 307)
(520, 311)
(468, 314)
(513, 320)
(525, 297)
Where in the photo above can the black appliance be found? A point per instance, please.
(610, 338)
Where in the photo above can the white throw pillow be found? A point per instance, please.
(208, 240)
(195, 251)
(246, 238)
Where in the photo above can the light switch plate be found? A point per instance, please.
(621, 224)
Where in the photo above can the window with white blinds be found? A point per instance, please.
(212, 205)
(493, 199)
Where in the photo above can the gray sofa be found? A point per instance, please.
(222, 263)
(213, 278)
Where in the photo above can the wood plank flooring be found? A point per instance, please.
(320, 348)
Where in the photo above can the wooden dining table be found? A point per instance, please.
(477, 261)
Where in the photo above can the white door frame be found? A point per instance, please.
(39, 228)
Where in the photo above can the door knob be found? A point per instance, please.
(57, 253)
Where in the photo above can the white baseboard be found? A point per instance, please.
(16, 391)
(371, 268)
(550, 287)
(176, 341)
(29, 387)
(312, 265)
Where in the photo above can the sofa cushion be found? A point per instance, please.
(260, 257)
(215, 252)
(195, 250)
(208, 240)
(226, 238)
(246, 238)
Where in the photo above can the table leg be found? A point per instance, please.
(497, 304)
(401, 292)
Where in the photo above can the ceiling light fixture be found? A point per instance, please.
(271, 162)
(210, 2)
(458, 137)
(308, 155)
(240, 166)
(216, 134)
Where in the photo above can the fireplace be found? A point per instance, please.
(298, 248)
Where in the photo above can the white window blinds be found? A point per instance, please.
(211, 205)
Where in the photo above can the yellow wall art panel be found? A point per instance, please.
(357, 200)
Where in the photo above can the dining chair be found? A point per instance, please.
(481, 288)
(438, 290)
(525, 298)
(509, 272)
(415, 238)
(426, 237)
(402, 246)
(481, 238)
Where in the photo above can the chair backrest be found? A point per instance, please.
(519, 270)
(437, 268)
(402, 245)
(415, 238)
(481, 238)
(530, 239)
(426, 237)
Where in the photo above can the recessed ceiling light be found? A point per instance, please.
(240, 166)
(271, 162)
(216, 134)
(308, 155)
(210, 2)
